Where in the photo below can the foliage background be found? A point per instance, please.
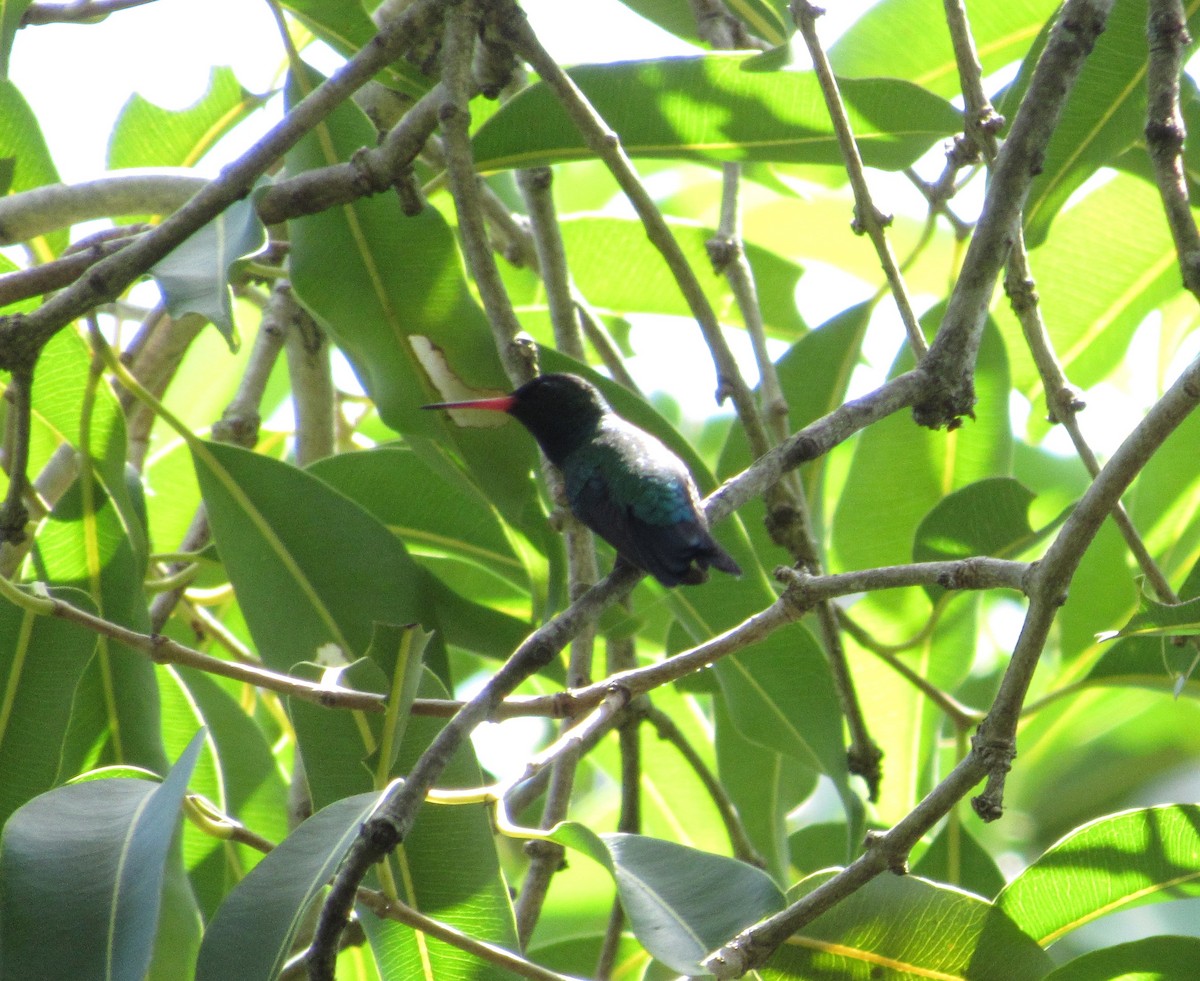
(353, 512)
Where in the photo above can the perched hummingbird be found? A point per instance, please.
(621, 482)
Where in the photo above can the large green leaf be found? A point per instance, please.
(918, 928)
(81, 876)
(765, 786)
(85, 544)
(251, 935)
(900, 471)
(21, 139)
(41, 661)
(1164, 503)
(956, 858)
(448, 868)
(437, 510)
(681, 903)
(346, 28)
(1115, 862)
(717, 107)
(299, 586)
(146, 135)
(1003, 33)
(238, 775)
(988, 517)
(766, 19)
(617, 268)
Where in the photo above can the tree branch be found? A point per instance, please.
(951, 359)
(22, 336)
(868, 219)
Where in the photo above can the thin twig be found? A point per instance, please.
(951, 359)
(788, 520)
(506, 960)
(607, 146)
(164, 650)
(739, 839)
(868, 219)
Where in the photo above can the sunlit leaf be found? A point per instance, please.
(147, 135)
(920, 928)
(1112, 863)
(717, 107)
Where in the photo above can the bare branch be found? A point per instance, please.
(951, 359)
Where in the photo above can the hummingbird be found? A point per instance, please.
(621, 482)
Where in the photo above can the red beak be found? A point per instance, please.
(502, 404)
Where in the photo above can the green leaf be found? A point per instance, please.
(717, 107)
(86, 545)
(337, 747)
(918, 928)
(298, 587)
(194, 277)
(764, 786)
(988, 517)
(1116, 862)
(41, 661)
(814, 374)
(238, 775)
(681, 903)
(432, 508)
(1104, 117)
(21, 138)
(146, 135)
(398, 652)
(617, 268)
(1002, 33)
(956, 858)
(1164, 503)
(252, 934)
(81, 876)
(390, 290)
(1149, 958)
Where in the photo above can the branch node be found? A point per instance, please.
(897, 861)
(722, 251)
(381, 836)
(795, 593)
(538, 849)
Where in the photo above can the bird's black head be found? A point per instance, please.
(561, 411)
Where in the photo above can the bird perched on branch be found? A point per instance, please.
(621, 482)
